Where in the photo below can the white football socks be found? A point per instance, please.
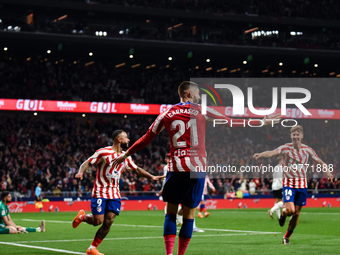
(179, 219)
(276, 208)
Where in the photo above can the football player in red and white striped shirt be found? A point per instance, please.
(295, 157)
(185, 126)
(105, 201)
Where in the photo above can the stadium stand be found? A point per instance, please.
(131, 63)
(49, 149)
(39, 79)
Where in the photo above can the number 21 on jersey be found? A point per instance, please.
(182, 130)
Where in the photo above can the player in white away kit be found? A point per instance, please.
(277, 190)
(185, 125)
(105, 201)
(295, 157)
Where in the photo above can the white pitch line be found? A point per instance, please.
(129, 238)
(148, 226)
(318, 213)
(265, 212)
(43, 248)
(52, 221)
(241, 231)
(138, 226)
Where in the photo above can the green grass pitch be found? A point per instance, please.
(243, 231)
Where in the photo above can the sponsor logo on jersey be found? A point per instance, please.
(115, 174)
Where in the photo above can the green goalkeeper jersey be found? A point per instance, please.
(4, 211)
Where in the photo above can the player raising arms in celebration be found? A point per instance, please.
(295, 157)
(105, 202)
(186, 129)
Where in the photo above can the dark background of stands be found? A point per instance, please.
(49, 148)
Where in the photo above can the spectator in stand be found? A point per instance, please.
(26, 158)
(252, 186)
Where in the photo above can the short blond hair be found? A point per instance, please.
(298, 128)
(184, 87)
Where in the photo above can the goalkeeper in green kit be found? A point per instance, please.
(7, 226)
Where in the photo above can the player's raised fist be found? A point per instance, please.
(79, 176)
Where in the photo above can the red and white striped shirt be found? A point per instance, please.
(185, 125)
(107, 179)
(295, 164)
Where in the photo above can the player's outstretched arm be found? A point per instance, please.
(237, 123)
(82, 169)
(323, 164)
(141, 172)
(138, 145)
(266, 154)
(272, 119)
(118, 160)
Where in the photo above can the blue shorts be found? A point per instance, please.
(179, 188)
(297, 196)
(204, 198)
(104, 205)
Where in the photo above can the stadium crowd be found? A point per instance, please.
(103, 82)
(50, 148)
(277, 8)
(192, 30)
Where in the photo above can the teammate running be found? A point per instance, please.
(105, 201)
(186, 129)
(295, 157)
(207, 183)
